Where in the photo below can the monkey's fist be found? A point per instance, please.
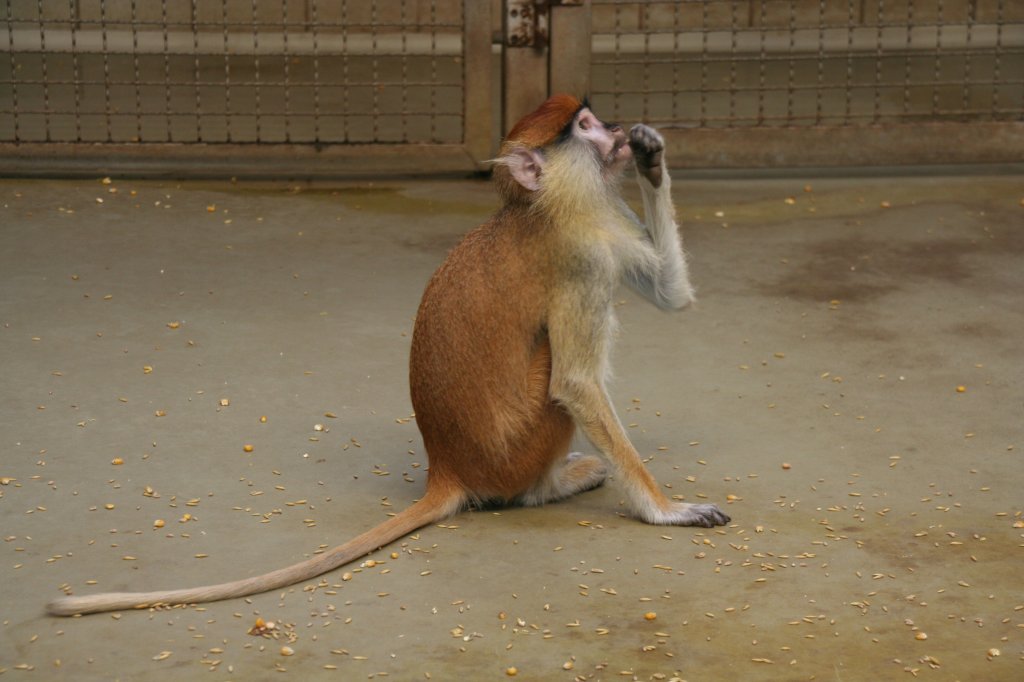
(648, 150)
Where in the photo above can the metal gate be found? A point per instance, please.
(767, 83)
(253, 87)
(378, 87)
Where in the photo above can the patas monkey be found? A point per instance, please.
(510, 347)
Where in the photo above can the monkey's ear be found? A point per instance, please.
(525, 165)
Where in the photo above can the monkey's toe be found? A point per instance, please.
(685, 514)
(709, 515)
(583, 472)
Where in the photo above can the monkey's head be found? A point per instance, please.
(562, 141)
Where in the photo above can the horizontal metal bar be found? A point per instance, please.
(256, 25)
(748, 57)
(852, 119)
(812, 39)
(193, 43)
(324, 85)
(812, 87)
(255, 161)
(291, 113)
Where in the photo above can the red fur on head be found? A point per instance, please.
(542, 127)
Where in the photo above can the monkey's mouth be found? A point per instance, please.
(621, 151)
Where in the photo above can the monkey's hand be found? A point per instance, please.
(648, 151)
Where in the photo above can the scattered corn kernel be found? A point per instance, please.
(650, 615)
(159, 523)
(248, 448)
(117, 461)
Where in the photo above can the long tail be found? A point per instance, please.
(439, 502)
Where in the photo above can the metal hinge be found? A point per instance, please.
(526, 23)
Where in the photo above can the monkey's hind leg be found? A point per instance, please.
(575, 473)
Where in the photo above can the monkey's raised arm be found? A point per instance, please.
(665, 280)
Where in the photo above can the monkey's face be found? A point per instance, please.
(542, 145)
(608, 139)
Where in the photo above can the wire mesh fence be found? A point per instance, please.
(415, 77)
(232, 71)
(792, 63)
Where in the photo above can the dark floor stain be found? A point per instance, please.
(856, 269)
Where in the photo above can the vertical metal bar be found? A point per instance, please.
(818, 93)
(938, 58)
(570, 48)
(167, 72)
(43, 66)
(106, 70)
(791, 76)
(675, 60)
(971, 8)
(135, 71)
(762, 63)
(256, 67)
(14, 73)
(478, 110)
(733, 65)
(848, 89)
(907, 58)
(227, 71)
(878, 61)
(405, 72)
(616, 89)
(374, 73)
(645, 79)
(703, 94)
(196, 71)
(433, 71)
(344, 71)
(316, 71)
(997, 62)
(75, 72)
(287, 72)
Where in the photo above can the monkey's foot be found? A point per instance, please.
(577, 473)
(583, 472)
(685, 514)
(648, 150)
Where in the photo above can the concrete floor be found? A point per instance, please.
(877, 507)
